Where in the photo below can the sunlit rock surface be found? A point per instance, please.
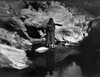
(59, 13)
(14, 39)
(72, 31)
(62, 16)
(12, 57)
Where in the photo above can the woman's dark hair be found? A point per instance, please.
(50, 20)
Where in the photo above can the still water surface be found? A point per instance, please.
(69, 69)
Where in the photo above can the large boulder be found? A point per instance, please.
(15, 56)
(12, 57)
(60, 15)
(13, 39)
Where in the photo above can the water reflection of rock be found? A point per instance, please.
(70, 69)
(61, 52)
(64, 57)
(67, 67)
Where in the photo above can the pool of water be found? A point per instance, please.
(70, 67)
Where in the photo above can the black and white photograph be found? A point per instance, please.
(57, 38)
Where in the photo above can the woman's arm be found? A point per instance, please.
(58, 24)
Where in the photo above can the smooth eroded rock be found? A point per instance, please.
(12, 57)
